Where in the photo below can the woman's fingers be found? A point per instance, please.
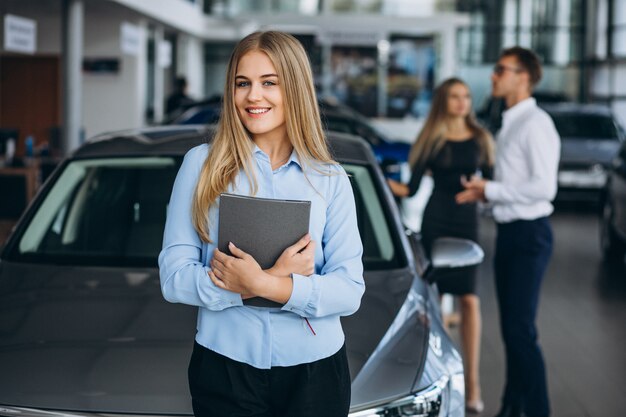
(300, 244)
(218, 267)
(220, 256)
(236, 251)
(218, 282)
(310, 248)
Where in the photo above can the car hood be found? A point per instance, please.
(588, 151)
(97, 339)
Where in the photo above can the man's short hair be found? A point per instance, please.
(528, 61)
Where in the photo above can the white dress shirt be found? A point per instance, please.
(527, 159)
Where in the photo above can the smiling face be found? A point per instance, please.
(459, 101)
(259, 97)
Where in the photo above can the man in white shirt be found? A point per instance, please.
(525, 183)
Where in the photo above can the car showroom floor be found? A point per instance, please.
(581, 321)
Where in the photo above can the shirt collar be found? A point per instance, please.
(260, 154)
(518, 109)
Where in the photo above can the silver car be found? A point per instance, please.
(613, 213)
(85, 331)
(590, 138)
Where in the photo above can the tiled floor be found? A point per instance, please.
(582, 324)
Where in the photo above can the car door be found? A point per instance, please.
(618, 190)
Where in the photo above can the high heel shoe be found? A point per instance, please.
(474, 406)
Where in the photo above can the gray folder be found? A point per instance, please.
(262, 227)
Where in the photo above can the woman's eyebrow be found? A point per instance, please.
(262, 76)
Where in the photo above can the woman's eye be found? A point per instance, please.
(241, 84)
(269, 83)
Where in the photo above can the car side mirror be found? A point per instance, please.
(450, 252)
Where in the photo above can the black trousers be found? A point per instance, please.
(222, 387)
(523, 250)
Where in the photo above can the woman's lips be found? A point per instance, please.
(257, 111)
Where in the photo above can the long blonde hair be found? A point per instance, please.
(231, 150)
(433, 135)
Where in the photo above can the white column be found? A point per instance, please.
(383, 69)
(159, 97)
(562, 38)
(327, 70)
(141, 75)
(73, 17)
(447, 52)
(509, 22)
(525, 20)
(601, 29)
(193, 56)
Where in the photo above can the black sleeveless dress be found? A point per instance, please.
(442, 215)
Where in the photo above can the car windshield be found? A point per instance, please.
(111, 212)
(108, 211)
(587, 126)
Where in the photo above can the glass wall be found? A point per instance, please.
(553, 29)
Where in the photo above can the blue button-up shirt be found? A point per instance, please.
(266, 337)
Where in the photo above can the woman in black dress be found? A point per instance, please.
(450, 146)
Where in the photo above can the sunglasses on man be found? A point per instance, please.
(499, 69)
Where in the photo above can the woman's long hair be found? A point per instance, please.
(434, 134)
(231, 150)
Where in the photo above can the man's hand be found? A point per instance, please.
(474, 190)
(298, 258)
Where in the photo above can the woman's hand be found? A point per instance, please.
(397, 188)
(298, 258)
(239, 273)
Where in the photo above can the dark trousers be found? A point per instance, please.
(523, 250)
(222, 387)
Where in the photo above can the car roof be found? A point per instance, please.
(151, 133)
(177, 140)
(577, 108)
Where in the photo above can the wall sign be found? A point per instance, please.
(20, 34)
(130, 39)
(101, 65)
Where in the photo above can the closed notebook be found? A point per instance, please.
(262, 227)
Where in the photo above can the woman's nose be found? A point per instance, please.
(255, 93)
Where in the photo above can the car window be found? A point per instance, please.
(111, 211)
(587, 126)
(379, 246)
(102, 211)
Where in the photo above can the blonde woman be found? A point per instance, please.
(259, 361)
(453, 146)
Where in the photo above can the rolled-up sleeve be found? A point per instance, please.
(338, 288)
(183, 275)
